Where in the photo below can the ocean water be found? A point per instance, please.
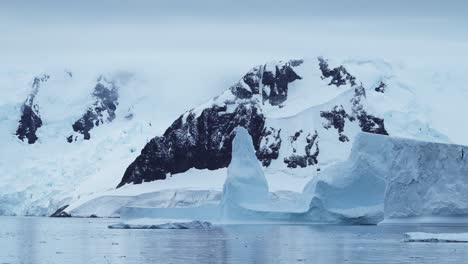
(75, 240)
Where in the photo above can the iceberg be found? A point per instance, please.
(426, 181)
(246, 197)
(112, 205)
(354, 188)
(384, 180)
(162, 224)
(245, 184)
(411, 181)
(436, 238)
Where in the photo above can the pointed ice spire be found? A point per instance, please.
(245, 184)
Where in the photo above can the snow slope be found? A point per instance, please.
(41, 177)
(38, 178)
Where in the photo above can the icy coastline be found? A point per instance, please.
(436, 238)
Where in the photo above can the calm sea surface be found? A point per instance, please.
(74, 240)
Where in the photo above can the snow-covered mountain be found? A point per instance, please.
(291, 129)
(70, 139)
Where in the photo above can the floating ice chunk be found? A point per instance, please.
(148, 223)
(436, 238)
(115, 205)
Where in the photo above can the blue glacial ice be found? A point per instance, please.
(384, 179)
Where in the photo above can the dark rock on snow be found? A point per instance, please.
(336, 118)
(339, 75)
(30, 119)
(270, 146)
(309, 158)
(61, 212)
(201, 138)
(381, 87)
(275, 85)
(202, 142)
(103, 109)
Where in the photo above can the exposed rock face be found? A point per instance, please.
(336, 118)
(339, 75)
(249, 86)
(309, 158)
(30, 119)
(61, 212)
(201, 138)
(381, 87)
(275, 85)
(269, 146)
(103, 109)
(202, 142)
(371, 124)
(367, 122)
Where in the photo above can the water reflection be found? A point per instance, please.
(47, 240)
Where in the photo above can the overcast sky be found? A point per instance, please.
(121, 30)
(209, 44)
(147, 9)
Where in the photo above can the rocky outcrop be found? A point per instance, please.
(368, 123)
(381, 88)
(61, 212)
(30, 119)
(249, 85)
(201, 138)
(269, 146)
(337, 117)
(195, 141)
(271, 80)
(309, 158)
(103, 109)
(275, 84)
(338, 76)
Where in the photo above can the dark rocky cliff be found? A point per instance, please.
(30, 119)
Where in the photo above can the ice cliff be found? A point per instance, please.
(426, 181)
(408, 179)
